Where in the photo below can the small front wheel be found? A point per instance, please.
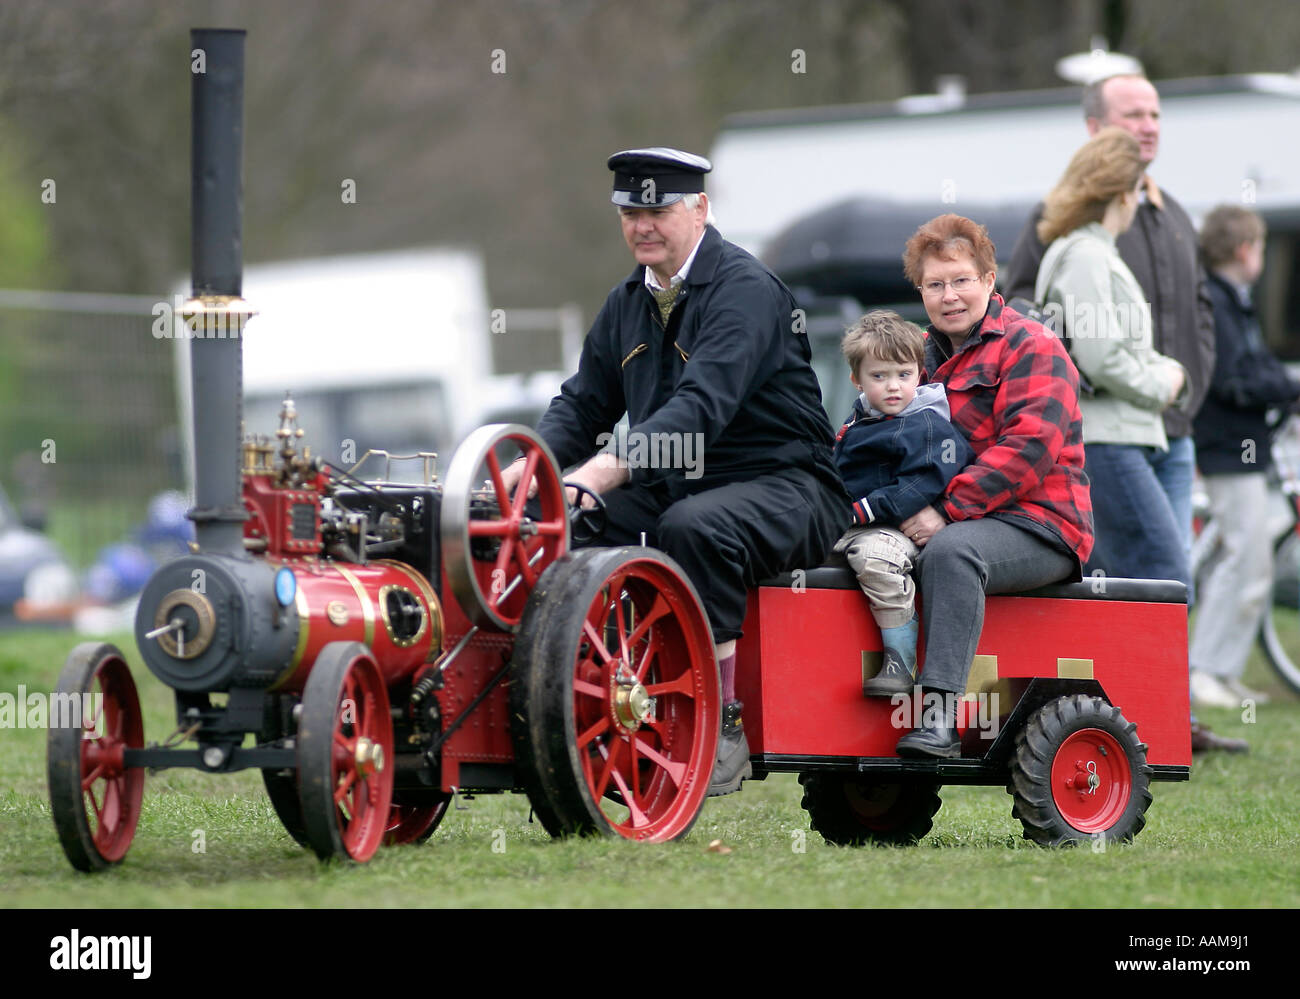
(413, 818)
(345, 754)
(94, 797)
(282, 789)
(1079, 773)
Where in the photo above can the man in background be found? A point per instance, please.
(1160, 248)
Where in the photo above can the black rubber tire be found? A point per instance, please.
(857, 811)
(1036, 749)
(547, 648)
(282, 789)
(64, 767)
(321, 702)
(1276, 643)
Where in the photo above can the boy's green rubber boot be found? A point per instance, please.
(898, 669)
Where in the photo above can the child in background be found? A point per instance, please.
(896, 454)
(1233, 433)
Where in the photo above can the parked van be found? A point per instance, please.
(827, 196)
(379, 350)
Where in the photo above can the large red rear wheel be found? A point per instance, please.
(615, 696)
(345, 754)
(94, 797)
(1079, 773)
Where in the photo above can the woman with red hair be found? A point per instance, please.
(1017, 517)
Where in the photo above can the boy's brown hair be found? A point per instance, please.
(1225, 229)
(885, 336)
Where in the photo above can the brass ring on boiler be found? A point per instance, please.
(430, 599)
(198, 643)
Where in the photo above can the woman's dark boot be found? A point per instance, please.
(936, 736)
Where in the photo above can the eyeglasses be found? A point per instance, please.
(933, 289)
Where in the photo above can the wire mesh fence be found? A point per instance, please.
(88, 415)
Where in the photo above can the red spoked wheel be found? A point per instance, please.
(850, 810)
(415, 822)
(497, 545)
(1079, 773)
(615, 697)
(94, 797)
(345, 754)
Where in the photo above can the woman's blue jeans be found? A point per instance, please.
(1137, 531)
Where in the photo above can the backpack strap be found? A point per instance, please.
(1041, 285)
(1040, 299)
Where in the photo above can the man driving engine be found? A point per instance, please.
(725, 463)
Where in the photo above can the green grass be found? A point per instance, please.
(1228, 838)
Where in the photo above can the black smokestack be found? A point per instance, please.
(217, 191)
(216, 354)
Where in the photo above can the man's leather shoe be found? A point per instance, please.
(1204, 740)
(732, 765)
(928, 742)
(894, 678)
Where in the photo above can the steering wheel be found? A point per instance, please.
(586, 524)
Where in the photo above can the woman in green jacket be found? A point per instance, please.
(1108, 323)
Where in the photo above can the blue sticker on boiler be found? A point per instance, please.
(286, 586)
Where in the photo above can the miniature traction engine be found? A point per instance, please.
(375, 648)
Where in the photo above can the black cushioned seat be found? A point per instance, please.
(836, 575)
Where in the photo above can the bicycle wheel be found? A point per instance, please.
(1205, 546)
(1279, 632)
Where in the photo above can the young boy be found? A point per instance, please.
(1233, 431)
(896, 454)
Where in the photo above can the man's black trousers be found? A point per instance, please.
(730, 537)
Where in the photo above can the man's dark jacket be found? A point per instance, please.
(1160, 249)
(1248, 382)
(732, 365)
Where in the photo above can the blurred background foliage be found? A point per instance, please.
(24, 226)
(401, 97)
